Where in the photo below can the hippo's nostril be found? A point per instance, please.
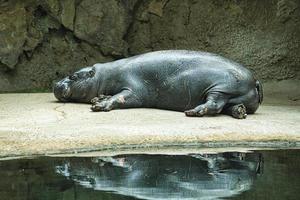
(66, 92)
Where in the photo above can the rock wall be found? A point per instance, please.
(42, 41)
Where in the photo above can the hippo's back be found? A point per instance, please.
(165, 64)
(181, 57)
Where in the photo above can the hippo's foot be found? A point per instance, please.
(124, 99)
(101, 103)
(239, 111)
(104, 105)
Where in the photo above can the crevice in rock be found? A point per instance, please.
(39, 12)
(4, 68)
(166, 3)
(133, 14)
(61, 113)
(188, 15)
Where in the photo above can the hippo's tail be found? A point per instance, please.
(259, 91)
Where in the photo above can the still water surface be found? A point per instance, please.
(230, 175)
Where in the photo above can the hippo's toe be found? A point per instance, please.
(102, 106)
(194, 113)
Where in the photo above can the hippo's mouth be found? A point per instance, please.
(62, 92)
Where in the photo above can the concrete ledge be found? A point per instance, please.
(37, 124)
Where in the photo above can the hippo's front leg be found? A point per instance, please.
(125, 99)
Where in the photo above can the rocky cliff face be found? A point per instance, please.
(42, 41)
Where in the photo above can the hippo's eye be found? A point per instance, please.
(73, 77)
(91, 73)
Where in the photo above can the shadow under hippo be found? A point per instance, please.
(197, 83)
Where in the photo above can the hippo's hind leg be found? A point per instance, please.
(214, 104)
(125, 99)
(239, 107)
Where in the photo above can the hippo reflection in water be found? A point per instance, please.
(197, 83)
(195, 176)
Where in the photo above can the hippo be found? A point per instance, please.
(196, 83)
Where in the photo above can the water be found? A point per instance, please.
(231, 175)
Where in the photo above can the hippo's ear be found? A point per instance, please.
(92, 72)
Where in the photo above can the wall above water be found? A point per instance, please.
(42, 41)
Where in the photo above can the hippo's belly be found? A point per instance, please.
(181, 91)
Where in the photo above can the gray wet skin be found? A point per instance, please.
(197, 83)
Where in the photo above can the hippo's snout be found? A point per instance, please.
(61, 91)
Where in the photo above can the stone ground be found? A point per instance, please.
(32, 124)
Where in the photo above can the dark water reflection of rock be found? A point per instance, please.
(257, 175)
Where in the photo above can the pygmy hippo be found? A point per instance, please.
(197, 83)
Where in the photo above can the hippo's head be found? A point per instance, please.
(78, 87)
